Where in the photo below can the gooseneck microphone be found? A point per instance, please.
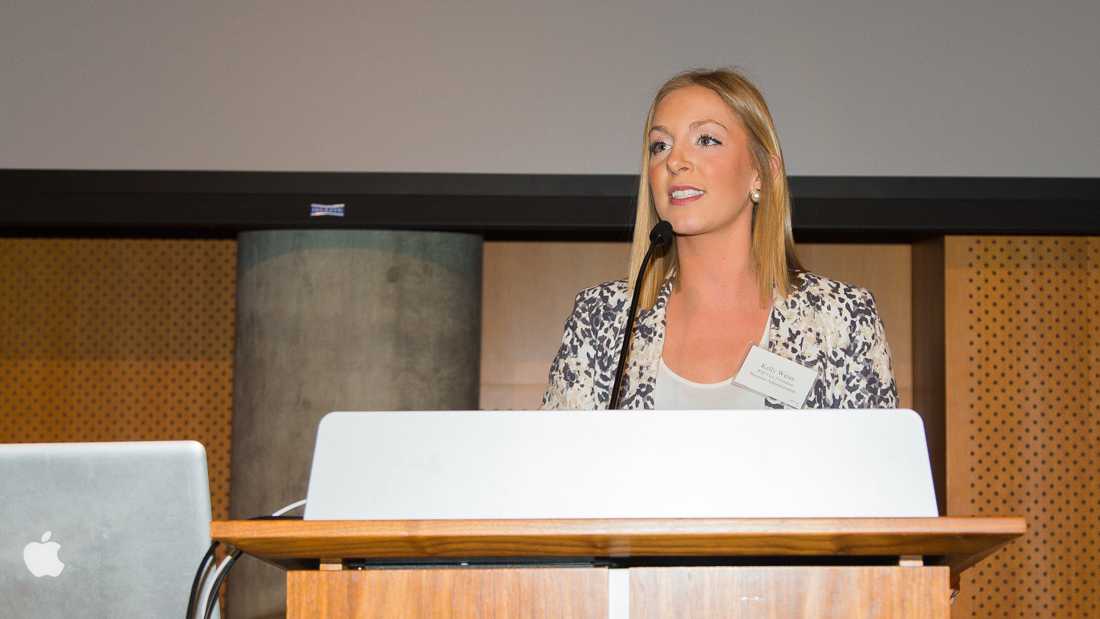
(659, 238)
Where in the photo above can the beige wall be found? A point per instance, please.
(529, 289)
(857, 87)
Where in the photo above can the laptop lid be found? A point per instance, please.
(673, 464)
(101, 529)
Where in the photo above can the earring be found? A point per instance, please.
(755, 196)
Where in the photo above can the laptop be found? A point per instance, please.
(101, 529)
(652, 464)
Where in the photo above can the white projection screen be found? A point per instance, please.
(858, 87)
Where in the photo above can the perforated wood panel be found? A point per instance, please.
(1023, 333)
(106, 340)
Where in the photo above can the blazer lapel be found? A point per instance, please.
(647, 342)
(779, 325)
(786, 338)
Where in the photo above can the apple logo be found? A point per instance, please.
(41, 558)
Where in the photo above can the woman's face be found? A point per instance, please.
(700, 169)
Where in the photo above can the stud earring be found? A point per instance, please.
(755, 196)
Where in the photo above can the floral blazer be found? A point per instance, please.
(825, 325)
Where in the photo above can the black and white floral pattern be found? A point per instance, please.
(829, 326)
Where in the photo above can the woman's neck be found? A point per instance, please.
(717, 271)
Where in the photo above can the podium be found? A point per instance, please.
(637, 568)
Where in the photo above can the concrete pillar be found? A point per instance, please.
(339, 320)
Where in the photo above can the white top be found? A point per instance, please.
(674, 392)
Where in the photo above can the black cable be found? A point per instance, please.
(209, 556)
(660, 237)
(213, 600)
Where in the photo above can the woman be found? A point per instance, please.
(713, 168)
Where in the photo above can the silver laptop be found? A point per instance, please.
(101, 529)
(672, 464)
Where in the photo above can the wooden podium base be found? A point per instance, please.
(447, 592)
(843, 568)
(583, 593)
(827, 592)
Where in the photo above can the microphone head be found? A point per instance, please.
(661, 235)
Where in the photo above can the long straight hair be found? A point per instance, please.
(773, 251)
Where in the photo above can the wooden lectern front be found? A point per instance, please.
(637, 568)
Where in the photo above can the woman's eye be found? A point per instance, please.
(656, 147)
(706, 140)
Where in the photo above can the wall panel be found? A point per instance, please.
(132, 339)
(113, 339)
(1023, 331)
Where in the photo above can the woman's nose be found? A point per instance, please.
(677, 162)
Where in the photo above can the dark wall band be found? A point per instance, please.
(220, 204)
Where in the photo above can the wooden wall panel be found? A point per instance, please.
(119, 339)
(820, 592)
(529, 289)
(1023, 333)
(528, 292)
(929, 373)
(455, 593)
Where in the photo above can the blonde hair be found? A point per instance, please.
(772, 244)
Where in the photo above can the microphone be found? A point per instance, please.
(659, 238)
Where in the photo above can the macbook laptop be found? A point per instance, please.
(101, 529)
(653, 464)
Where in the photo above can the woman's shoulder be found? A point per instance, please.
(607, 293)
(825, 294)
(601, 306)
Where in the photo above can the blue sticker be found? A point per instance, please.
(326, 210)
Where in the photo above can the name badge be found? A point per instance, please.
(773, 376)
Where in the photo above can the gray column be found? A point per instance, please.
(339, 320)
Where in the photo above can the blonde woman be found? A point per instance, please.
(713, 168)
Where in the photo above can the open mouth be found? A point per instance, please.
(684, 195)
